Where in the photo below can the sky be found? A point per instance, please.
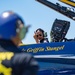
(37, 15)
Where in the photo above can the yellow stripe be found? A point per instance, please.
(68, 2)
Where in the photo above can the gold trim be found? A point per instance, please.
(68, 2)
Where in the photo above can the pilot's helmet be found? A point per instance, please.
(11, 24)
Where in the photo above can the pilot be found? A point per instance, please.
(12, 60)
(40, 36)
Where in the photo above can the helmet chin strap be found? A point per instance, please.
(16, 40)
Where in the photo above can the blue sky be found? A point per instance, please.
(37, 15)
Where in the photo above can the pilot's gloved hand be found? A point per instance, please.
(27, 64)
